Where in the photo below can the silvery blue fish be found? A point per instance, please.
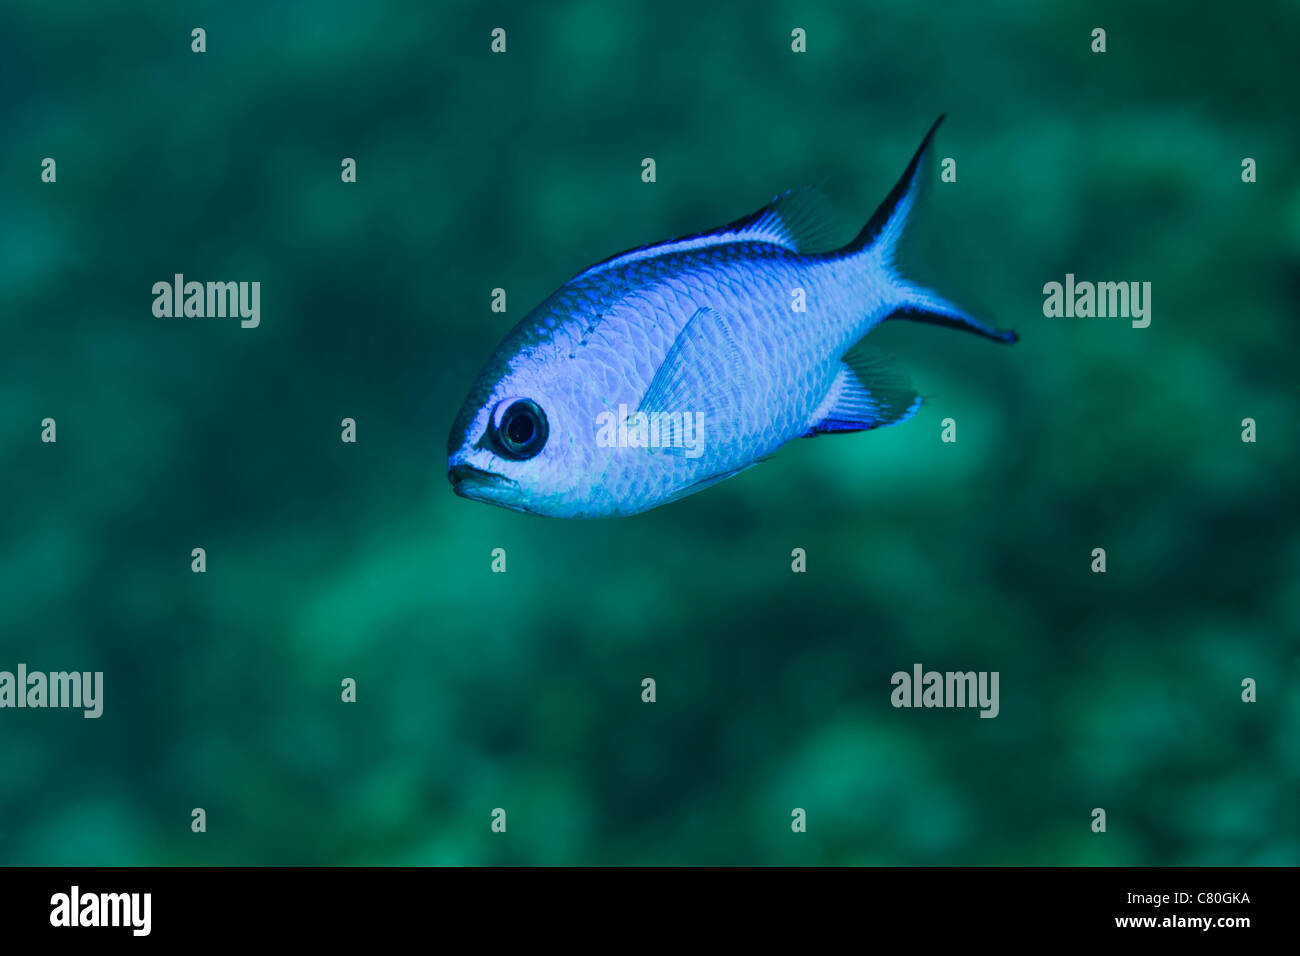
(664, 370)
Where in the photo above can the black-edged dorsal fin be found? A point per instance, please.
(799, 220)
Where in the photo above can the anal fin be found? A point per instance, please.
(869, 392)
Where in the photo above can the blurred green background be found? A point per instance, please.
(522, 690)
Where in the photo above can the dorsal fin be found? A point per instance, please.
(799, 220)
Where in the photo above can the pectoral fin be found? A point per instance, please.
(703, 371)
(700, 384)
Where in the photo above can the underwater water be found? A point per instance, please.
(522, 691)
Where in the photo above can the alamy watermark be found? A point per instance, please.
(57, 689)
(629, 429)
(181, 299)
(1121, 300)
(949, 689)
(76, 908)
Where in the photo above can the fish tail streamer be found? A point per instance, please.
(880, 239)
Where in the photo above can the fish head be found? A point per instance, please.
(520, 440)
(550, 425)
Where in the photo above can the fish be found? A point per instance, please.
(668, 368)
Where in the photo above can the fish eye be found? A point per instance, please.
(518, 430)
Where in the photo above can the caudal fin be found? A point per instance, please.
(880, 238)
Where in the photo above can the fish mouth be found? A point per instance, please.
(470, 482)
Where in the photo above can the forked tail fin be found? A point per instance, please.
(880, 238)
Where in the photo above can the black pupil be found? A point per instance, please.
(519, 429)
(520, 432)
